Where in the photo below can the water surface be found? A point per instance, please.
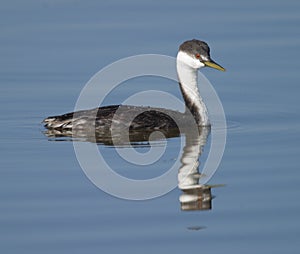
(49, 50)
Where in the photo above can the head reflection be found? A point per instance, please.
(196, 198)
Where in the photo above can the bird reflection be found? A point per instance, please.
(194, 196)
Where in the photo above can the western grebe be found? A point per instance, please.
(192, 55)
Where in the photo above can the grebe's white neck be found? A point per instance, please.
(187, 69)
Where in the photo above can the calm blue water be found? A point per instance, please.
(49, 49)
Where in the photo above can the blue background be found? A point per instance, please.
(49, 50)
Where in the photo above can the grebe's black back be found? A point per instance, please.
(192, 55)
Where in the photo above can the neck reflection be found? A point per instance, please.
(194, 196)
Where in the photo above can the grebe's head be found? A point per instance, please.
(195, 54)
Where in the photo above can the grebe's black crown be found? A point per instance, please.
(193, 47)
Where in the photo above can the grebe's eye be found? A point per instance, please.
(197, 56)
